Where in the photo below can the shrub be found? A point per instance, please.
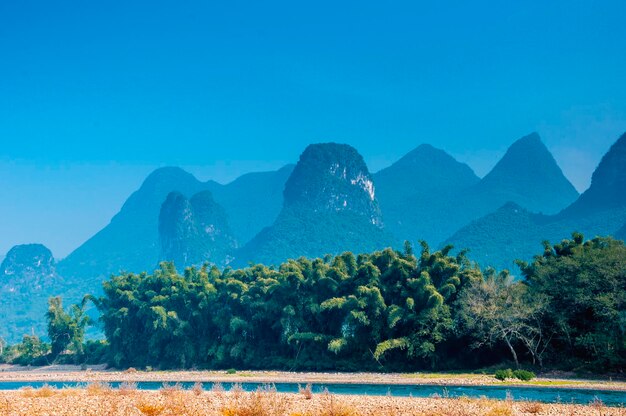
(524, 375)
(231, 371)
(504, 374)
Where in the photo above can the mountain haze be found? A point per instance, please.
(194, 231)
(131, 240)
(608, 184)
(415, 190)
(430, 195)
(329, 206)
(512, 232)
(529, 176)
(27, 278)
(251, 201)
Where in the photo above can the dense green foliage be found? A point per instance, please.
(387, 311)
(66, 331)
(584, 284)
(386, 308)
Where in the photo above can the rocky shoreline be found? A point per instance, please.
(60, 373)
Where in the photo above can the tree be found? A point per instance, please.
(66, 329)
(584, 285)
(496, 308)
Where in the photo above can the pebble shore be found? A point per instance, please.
(98, 373)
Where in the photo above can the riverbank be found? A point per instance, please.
(68, 373)
(100, 400)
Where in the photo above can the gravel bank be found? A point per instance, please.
(98, 373)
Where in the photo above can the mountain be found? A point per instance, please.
(329, 206)
(608, 184)
(192, 231)
(414, 191)
(429, 195)
(512, 232)
(252, 201)
(529, 176)
(27, 277)
(131, 240)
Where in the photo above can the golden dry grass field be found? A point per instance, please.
(100, 400)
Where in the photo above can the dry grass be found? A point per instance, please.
(263, 402)
(531, 408)
(127, 388)
(98, 389)
(336, 407)
(306, 391)
(100, 400)
(45, 391)
(148, 408)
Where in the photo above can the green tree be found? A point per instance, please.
(66, 329)
(584, 283)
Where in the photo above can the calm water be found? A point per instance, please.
(546, 395)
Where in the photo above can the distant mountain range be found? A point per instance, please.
(131, 241)
(327, 203)
(427, 195)
(512, 232)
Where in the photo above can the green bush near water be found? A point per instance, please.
(522, 375)
(503, 374)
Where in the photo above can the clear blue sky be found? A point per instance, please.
(94, 95)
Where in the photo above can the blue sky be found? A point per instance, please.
(94, 95)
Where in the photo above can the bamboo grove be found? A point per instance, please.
(386, 311)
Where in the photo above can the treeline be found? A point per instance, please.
(387, 311)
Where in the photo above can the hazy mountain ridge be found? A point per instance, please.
(194, 230)
(451, 196)
(131, 240)
(528, 175)
(416, 190)
(508, 233)
(608, 184)
(252, 201)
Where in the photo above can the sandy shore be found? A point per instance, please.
(98, 400)
(98, 373)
